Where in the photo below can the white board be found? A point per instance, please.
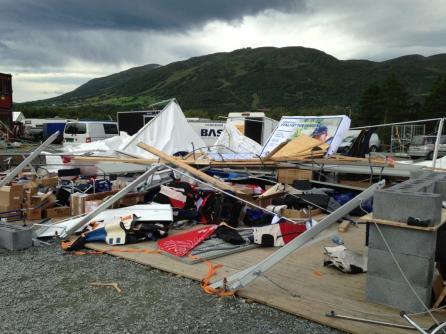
(329, 129)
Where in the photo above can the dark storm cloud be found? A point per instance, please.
(132, 14)
(37, 33)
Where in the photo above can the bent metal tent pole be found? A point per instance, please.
(246, 276)
(8, 178)
(107, 203)
(437, 142)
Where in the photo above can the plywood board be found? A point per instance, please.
(369, 219)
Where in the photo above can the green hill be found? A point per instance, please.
(285, 80)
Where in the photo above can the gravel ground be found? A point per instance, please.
(46, 291)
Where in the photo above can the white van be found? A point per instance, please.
(88, 131)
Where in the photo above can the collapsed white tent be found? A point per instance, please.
(169, 132)
(233, 139)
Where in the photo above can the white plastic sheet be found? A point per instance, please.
(233, 139)
(169, 132)
(154, 211)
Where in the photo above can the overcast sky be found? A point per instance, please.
(53, 46)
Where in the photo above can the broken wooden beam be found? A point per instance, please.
(184, 166)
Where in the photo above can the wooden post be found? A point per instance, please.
(180, 164)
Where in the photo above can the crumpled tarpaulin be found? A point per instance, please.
(345, 260)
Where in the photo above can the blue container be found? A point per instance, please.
(50, 128)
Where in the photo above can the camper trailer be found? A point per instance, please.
(207, 129)
(254, 125)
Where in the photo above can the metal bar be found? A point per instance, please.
(245, 277)
(252, 204)
(106, 204)
(437, 142)
(397, 123)
(413, 323)
(332, 314)
(11, 175)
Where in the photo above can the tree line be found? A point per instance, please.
(389, 102)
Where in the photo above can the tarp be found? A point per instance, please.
(232, 138)
(169, 132)
(103, 147)
(328, 129)
(153, 211)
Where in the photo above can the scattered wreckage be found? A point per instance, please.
(190, 204)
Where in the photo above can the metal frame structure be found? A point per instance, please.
(402, 134)
(11, 175)
(437, 142)
(245, 277)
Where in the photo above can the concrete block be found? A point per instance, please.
(418, 270)
(440, 188)
(15, 237)
(403, 203)
(403, 240)
(418, 197)
(399, 295)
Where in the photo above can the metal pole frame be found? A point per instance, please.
(11, 175)
(242, 278)
(437, 142)
(107, 203)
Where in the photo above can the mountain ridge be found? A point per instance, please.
(288, 79)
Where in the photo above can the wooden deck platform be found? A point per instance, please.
(307, 288)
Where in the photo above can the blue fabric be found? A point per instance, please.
(96, 235)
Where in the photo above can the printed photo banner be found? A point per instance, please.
(328, 129)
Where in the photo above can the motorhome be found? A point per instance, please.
(254, 125)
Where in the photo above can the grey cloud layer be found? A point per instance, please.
(132, 14)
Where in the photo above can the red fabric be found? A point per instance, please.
(177, 203)
(181, 244)
(290, 231)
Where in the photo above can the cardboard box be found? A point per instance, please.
(43, 201)
(11, 197)
(288, 175)
(92, 205)
(58, 211)
(291, 213)
(34, 213)
(50, 182)
(77, 203)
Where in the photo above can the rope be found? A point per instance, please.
(206, 284)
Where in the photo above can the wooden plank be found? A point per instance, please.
(232, 163)
(343, 227)
(369, 219)
(180, 164)
(276, 149)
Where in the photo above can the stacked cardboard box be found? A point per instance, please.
(11, 197)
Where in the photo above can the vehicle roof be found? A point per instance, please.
(111, 122)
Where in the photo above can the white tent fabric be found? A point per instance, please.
(169, 132)
(104, 147)
(233, 139)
